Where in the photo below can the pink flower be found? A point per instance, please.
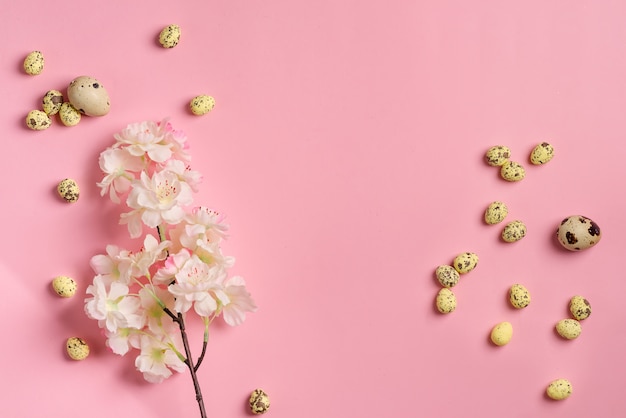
(145, 138)
(157, 359)
(112, 306)
(119, 167)
(116, 265)
(239, 303)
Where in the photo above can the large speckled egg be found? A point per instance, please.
(578, 232)
(89, 96)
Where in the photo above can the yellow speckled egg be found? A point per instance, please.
(559, 389)
(34, 63)
(502, 333)
(89, 96)
(259, 402)
(447, 276)
(64, 286)
(542, 153)
(68, 190)
(577, 233)
(568, 328)
(445, 301)
(579, 307)
(52, 102)
(497, 155)
(512, 171)
(202, 104)
(465, 262)
(496, 212)
(37, 120)
(69, 115)
(169, 36)
(514, 231)
(77, 348)
(519, 296)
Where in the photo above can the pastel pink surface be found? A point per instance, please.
(346, 149)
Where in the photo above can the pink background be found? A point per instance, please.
(346, 150)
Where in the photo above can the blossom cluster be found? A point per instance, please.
(181, 268)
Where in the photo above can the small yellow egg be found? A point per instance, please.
(502, 333)
(52, 102)
(69, 115)
(169, 36)
(64, 286)
(68, 190)
(542, 153)
(514, 231)
(202, 104)
(34, 63)
(77, 348)
(445, 301)
(465, 262)
(512, 171)
(259, 402)
(559, 389)
(37, 120)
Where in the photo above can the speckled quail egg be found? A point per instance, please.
(77, 348)
(559, 389)
(445, 301)
(568, 328)
(34, 63)
(512, 171)
(519, 296)
(502, 333)
(52, 101)
(447, 276)
(37, 120)
(577, 233)
(64, 286)
(465, 262)
(201, 105)
(89, 96)
(169, 36)
(514, 231)
(579, 307)
(497, 155)
(542, 153)
(259, 402)
(69, 115)
(68, 190)
(496, 212)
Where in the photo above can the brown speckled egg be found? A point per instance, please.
(497, 155)
(559, 389)
(542, 153)
(68, 190)
(64, 286)
(577, 233)
(77, 348)
(202, 104)
(259, 402)
(52, 102)
(37, 120)
(89, 96)
(579, 307)
(169, 36)
(512, 171)
(69, 115)
(34, 63)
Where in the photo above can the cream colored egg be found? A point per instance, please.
(519, 296)
(447, 276)
(496, 212)
(201, 105)
(77, 348)
(502, 333)
(497, 155)
(68, 190)
(512, 171)
(64, 286)
(52, 102)
(89, 96)
(259, 402)
(465, 262)
(568, 328)
(579, 307)
(37, 120)
(542, 153)
(514, 231)
(34, 63)
(577, 233)
(169, 36)
(559, 389)
(69, 115)
(445, 301)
